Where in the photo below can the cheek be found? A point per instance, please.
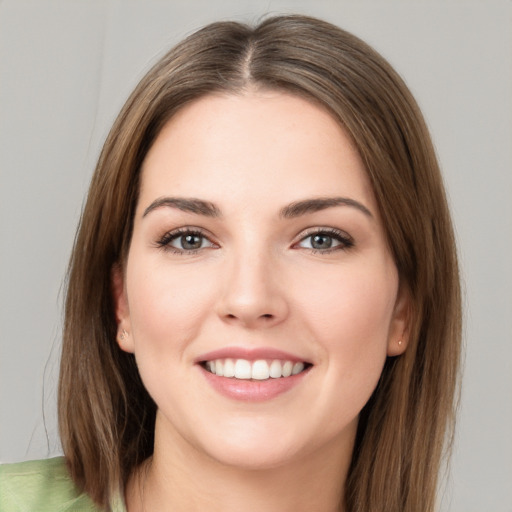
(349, 314)
(166, 304)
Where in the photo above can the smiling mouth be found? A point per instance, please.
(260, 369)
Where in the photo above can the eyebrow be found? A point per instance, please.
(191, 205)
(299, 208)
(295, 209)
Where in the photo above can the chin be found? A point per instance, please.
(247, 443)
(255, 458)
(258, 446)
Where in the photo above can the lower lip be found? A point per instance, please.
(252, 390)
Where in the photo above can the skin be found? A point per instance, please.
(256, 281)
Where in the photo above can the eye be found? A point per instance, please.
(185, 241)
(326, 240)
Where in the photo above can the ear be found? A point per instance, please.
(124, 336)
(399, 330)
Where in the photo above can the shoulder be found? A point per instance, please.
(42, 485)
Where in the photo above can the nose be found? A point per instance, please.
(253, 292)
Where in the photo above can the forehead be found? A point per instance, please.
(254, 146)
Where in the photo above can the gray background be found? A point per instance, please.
(67, 66)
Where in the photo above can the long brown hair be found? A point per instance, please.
(106, 416)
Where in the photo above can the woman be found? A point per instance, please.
(263, 307)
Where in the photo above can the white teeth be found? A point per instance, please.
(229, 368)
(260, 370)
(297, 368)
(242, 369)
(257, 370)
(276, 370)
(287, 368)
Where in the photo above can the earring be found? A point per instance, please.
(123, 335)
(399, 342)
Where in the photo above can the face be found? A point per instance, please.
(259, 295)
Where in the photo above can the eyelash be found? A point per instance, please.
(345, 241)
(165, 242)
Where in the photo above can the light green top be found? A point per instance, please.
(43, 486)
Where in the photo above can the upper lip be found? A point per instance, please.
(250, 354)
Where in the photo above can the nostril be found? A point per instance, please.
(250, 316)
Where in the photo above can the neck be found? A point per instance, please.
(179, 476)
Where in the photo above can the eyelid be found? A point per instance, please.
(164, 241)
(346, 241)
